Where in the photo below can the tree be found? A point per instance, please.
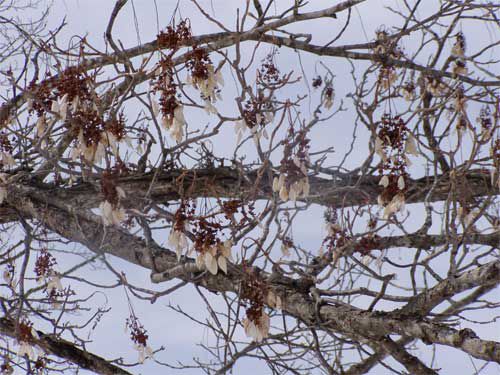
(327, 192)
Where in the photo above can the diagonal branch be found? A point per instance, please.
(410, 362)
(67, 350)
(86, 228)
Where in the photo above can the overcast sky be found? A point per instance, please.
(178, 334)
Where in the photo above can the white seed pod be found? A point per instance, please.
(156, 107)
(293, 193)
(276, 187)
(284, 193)
(211, 263)
(401, 183)
(222, 263)
(411, 146)
(384, 181)
(281, 181)
(41, 125)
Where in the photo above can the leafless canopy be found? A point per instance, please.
(312, 195)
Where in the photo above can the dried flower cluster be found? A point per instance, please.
(459, 107)
(139, 337)
(60, 93)
(95, 135)
(111, 210)
(175, 36)
(172, 111)
(68, 98)
(26, 336)
(177, 237)
(46, 274)
(5, 367)
(204, 78)
(458, 52)
(338, 237)
(286, 245)
(434, 86)
(293, 182)
(485, 119)
(255, 291)
(328, 96)
(258, 111)
(268, 74)
(387, 46)
(393, 143)
(387, 77)
(213, 253)
(317, 82)
(408, 91)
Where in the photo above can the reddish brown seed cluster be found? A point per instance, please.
(485, 118)
(185, 211)
(116, 126)
(44, 264)
(108, 188)
(25, 331)
(207, 229)
(71, 82)
(5, 367)
(337, 236)
(268, 75)
(198, 64)
(138, 333)
(204, 229)
(329, 93)
(460, 101)
(254, 109)
(231, 207)
(254, 291)
(41, 363)
(392, 135)
(258, 110)
(317, 82)
(460, 44)
(90, 123)
(295, 155)
(175, 36)
(164, 83)
(206, 234)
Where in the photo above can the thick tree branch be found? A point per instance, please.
(85, 228)
(66, 350)
(230, 183)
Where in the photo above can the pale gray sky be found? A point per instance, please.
(178, 334)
